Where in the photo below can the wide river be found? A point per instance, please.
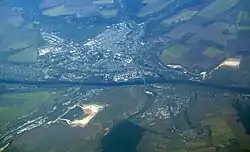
(236, 89)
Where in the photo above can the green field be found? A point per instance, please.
(57, 11)
(154, 7)
(221, 132)
(196, 144)
(174, 52)
(70, 8)
(243, 16)
(243, 28)
(149, 1)
(28, 55)
(217, 7)
(212, 52)
(109, 13)
(101, 2)
(12, 110)
(19, 45)
(241, 13)
(17, 38)
(182, 16)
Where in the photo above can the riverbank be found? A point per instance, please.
(235, 89)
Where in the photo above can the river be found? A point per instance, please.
(235, 89)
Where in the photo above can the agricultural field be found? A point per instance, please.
(109, 13)
(233, 76)
(22, 39)
(212, 52)
(58, 137)
(172, 54)
(221, 132)
(196, 144)
(208, 33)
(243, 18)
(243, 28)
(244, 66)
(27, 55)
(216, 8)
(18, 104)
(149, 1)
(101, 2)
(183, 30)
(19, 45)
(180, 17)
(153, 7)
(220, 118)
(57, 11)
(211, 33)
(239, 46)
(85, 8)
(236, 70)
(211, 129)
(128, 99)
(18, 37)
(202, 54)
(151, 142)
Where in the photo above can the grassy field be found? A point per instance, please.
(212, 52)
(244, 64)
(128, 100)
(18, 38)
(216, 8)
(182, 16)
(173, 53)
(233, 76)
(154, 7)
(100, 2)
(56, 11)
(239, 17)
(19, 45)
(56, 138)
(209, 32)
(30, 101)
(152, 142)
(243, 28)
(109, 13)
(196, 144)
(70, 8)
(221, 132)
(243, 18)
(239, 132)
(26, 56)
(149, 1)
